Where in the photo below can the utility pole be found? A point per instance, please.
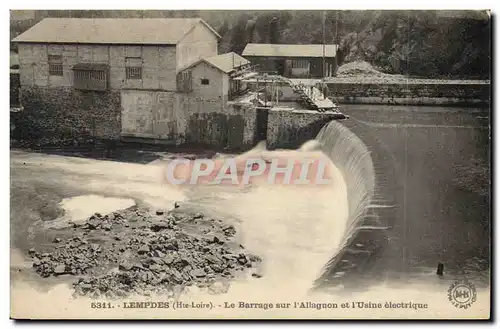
(324, 46)
(336, 39)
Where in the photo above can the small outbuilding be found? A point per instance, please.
(294, 61)
(216, 76)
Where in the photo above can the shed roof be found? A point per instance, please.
(227, 62)
(224, 62)
(282, 50)
(111, 30)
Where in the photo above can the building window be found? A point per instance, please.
(133, 73)
(205, 82)
(300, 64)
(89, 76)
(133, 68)
(55, 65)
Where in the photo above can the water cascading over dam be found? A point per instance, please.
(368, 171)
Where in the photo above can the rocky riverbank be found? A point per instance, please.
(141, 252)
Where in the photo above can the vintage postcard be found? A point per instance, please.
(246, 164)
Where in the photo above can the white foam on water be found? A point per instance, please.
(102, 178)
(295, 229)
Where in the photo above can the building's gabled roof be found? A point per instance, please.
(140, 31)
(224, 62)
(227, 62)
(278, 50)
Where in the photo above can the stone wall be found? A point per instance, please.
(68, 113)
(14, 89)
(288, 129)
(412, 93)
(158, 117)
(154, 116)
(232, 129)
(178, 118)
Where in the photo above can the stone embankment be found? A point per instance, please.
(360, 83)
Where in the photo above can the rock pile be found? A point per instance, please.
(358, 68)
(98, 222)
(138, 252)
(74, 256)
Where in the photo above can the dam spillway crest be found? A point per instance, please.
(368, 170)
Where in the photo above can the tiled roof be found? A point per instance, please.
(224, 62)
(278, 50)
(227, 62)
(111, 30)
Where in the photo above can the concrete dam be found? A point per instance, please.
(371, 206)
(411, 200)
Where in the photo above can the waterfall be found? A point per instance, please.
(368, 171)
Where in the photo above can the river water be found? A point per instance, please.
(438, 162)
(441, 167)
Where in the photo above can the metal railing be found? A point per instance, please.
(252, 68)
